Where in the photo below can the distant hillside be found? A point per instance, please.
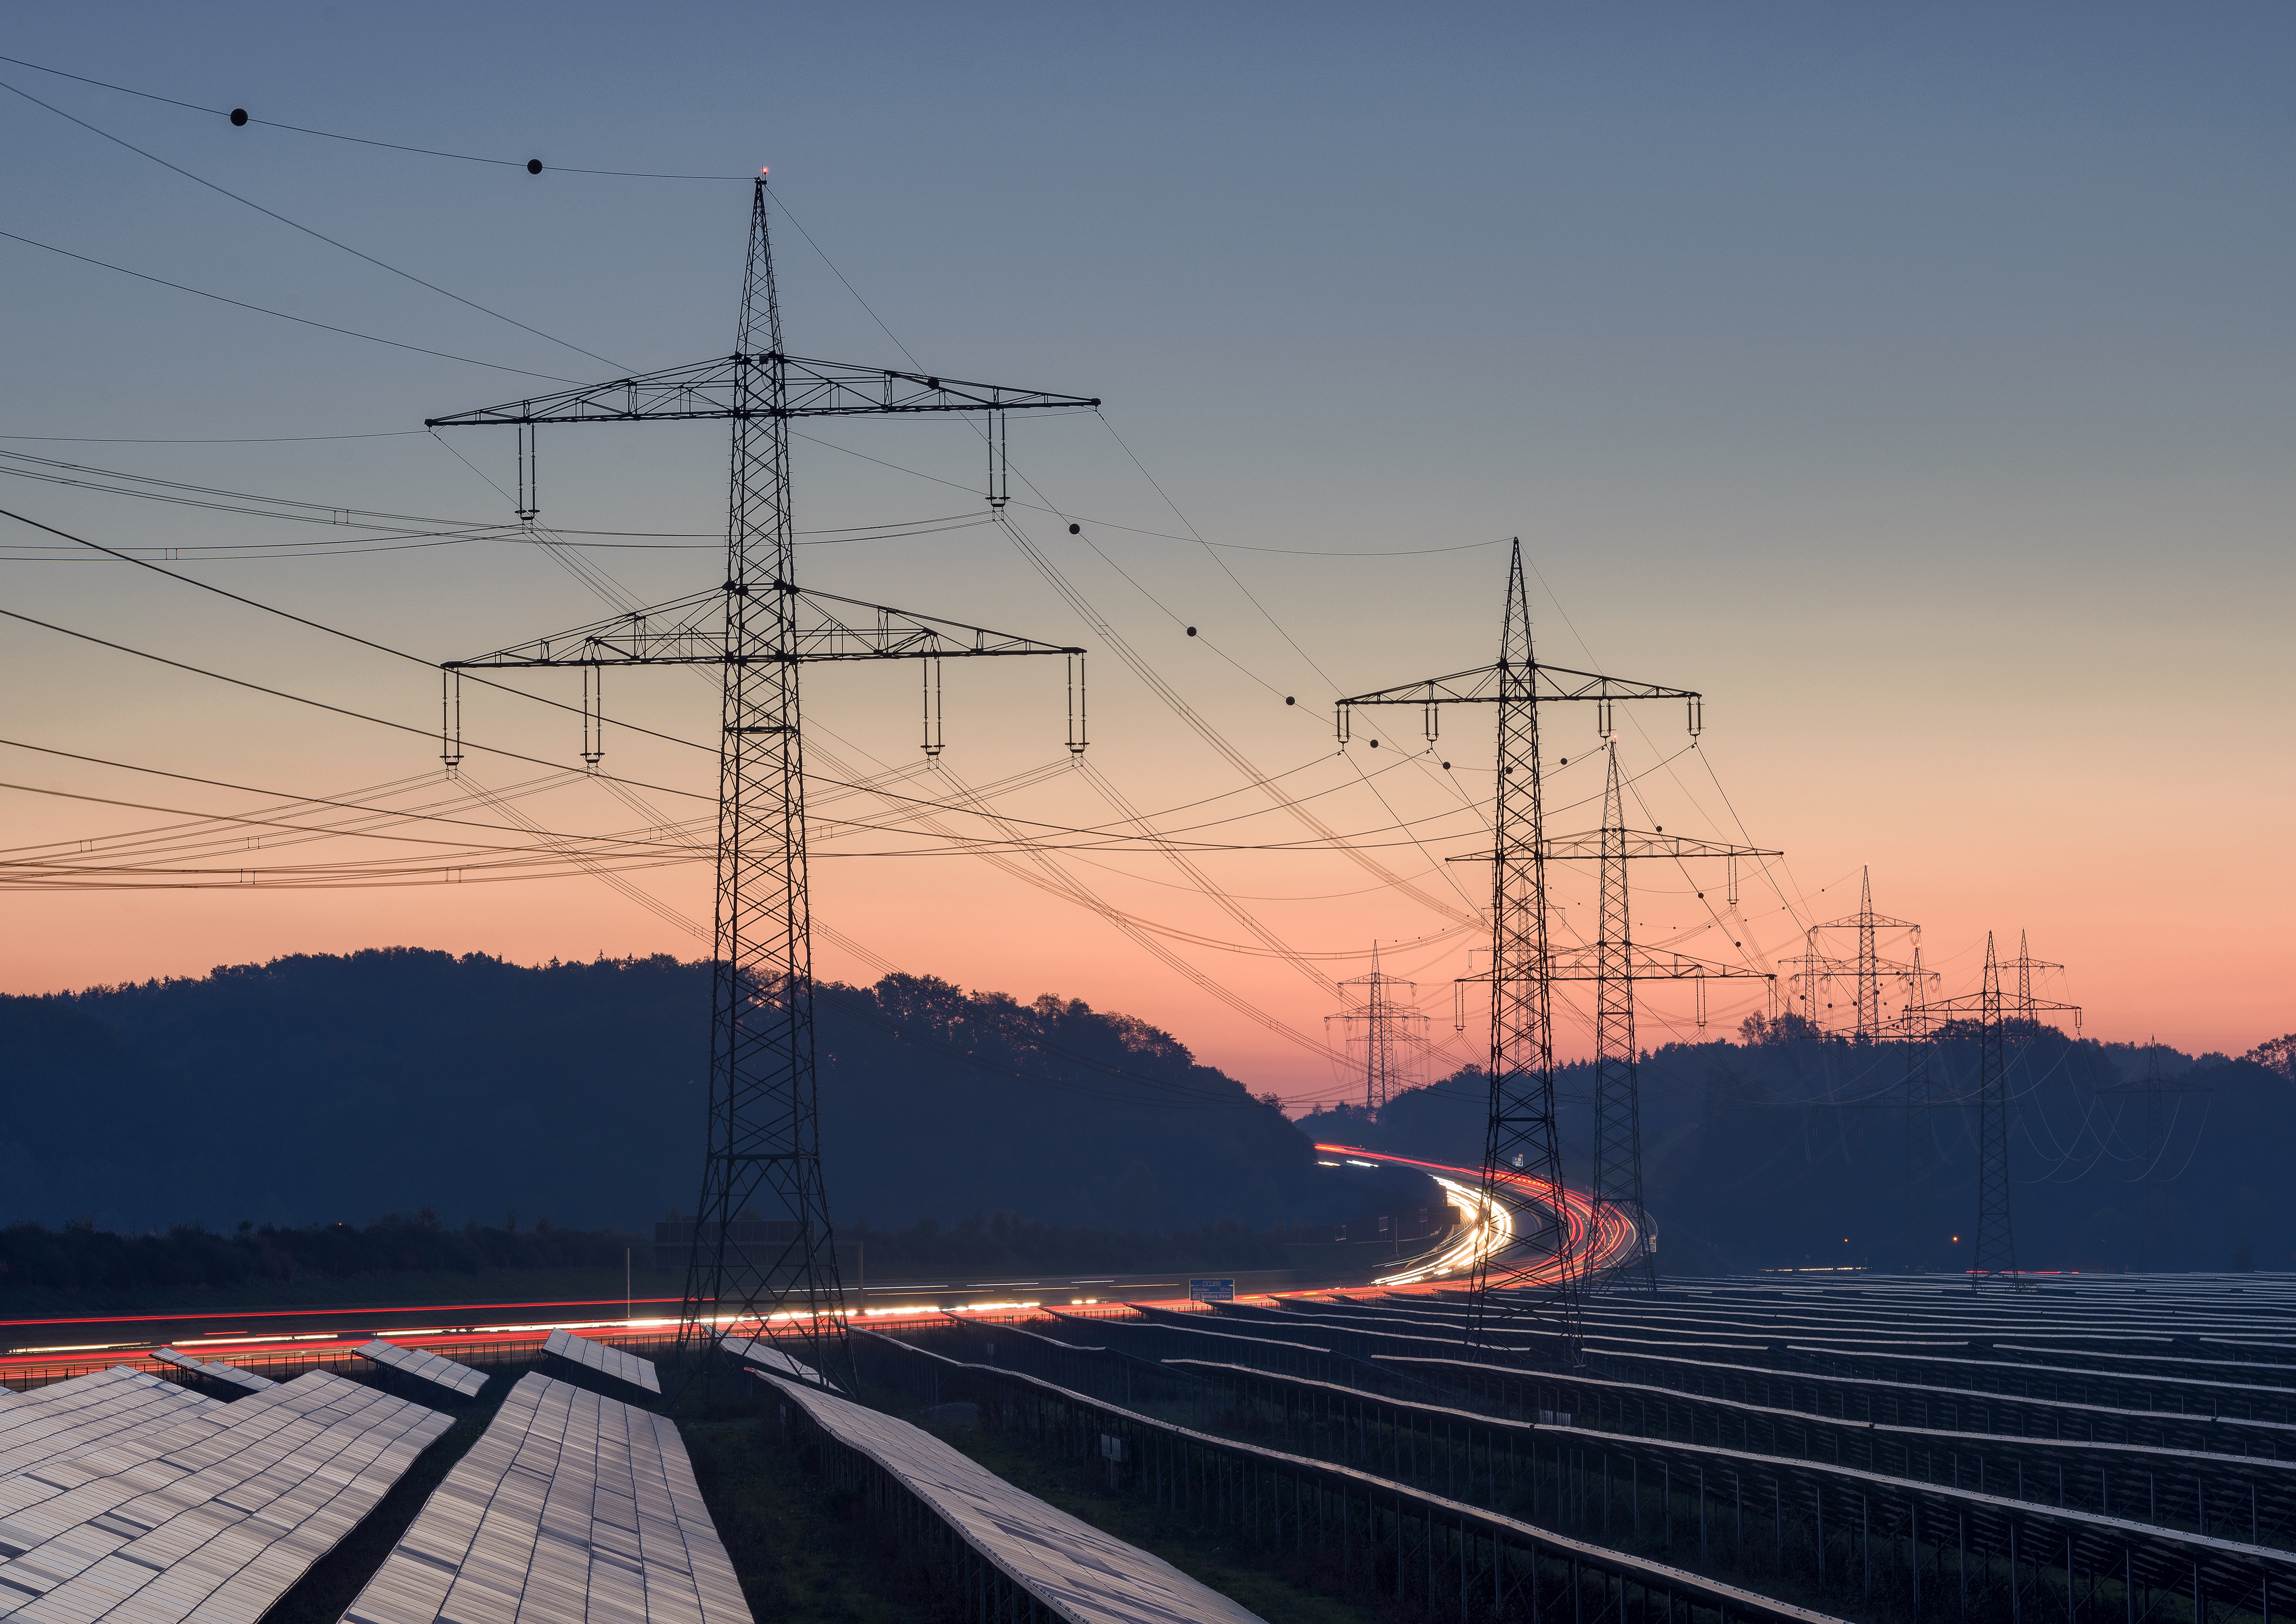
(1792, 1152)
(325, 1088)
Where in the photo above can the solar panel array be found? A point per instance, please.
(426, 1366)
(571, 1506)
(116, 1405)
(181, 1506)
(246, 1380)
(1080, 1572)
(774, 1360)
(604, 1360)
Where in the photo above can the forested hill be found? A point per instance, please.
(1787, 1151)
(323, 1088)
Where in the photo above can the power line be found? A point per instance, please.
(239, 116)
(266, 310)
(306, 230)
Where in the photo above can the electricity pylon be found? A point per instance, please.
(1919, 1213)
(759, 627)
(1393, 1035)
(2156, 1146)
(1617, 1181)
(1870, 964)
(2025, 963)
(1994, 1255)
(1538, 1278)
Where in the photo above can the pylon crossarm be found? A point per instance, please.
(1973, 1005)
(847, 628)
(1576, 964)
(834, 628)
(1583, 963)
(728, 386)
(1484, 686)
(1638, 843)
(667, 634)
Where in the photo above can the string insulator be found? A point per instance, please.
(933, 707)
(450, 720)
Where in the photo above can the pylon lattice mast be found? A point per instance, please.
(1393, 1032)
(1919, 1216)
(1617, 1187)
(1870, 966)
(1994, 1254)
(1537, 1278)
(777, 1271)
(2025, 963)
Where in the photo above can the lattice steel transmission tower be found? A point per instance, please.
(1918, 1219)
(1870, 966)
(774, 1269)
(1617, 1187)
(1817, 970)
(2157, 1094)
(1393, 1032)
(1537, 1278)
(2025, 965)
(1994, 1255)
(1995, 1252)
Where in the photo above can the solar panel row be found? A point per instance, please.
(1081, 1573)
(117, 1405)
(604, 1360)
(426, 1366)
(773, 1358)
(230, 1375)
(571, 1507)
(215, 1515)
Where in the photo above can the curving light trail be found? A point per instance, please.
(1599, 1237)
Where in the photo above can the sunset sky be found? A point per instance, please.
(1916, 384)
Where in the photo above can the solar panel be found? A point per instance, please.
(215, 1516)
(774, 1360)
(604, 1360)
(109, 1407)
(427, 1366)
(245, 1380)
(1080, 1572)
(571, 1506)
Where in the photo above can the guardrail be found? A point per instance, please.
(285, 1363)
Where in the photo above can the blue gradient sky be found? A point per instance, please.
(1918, 385)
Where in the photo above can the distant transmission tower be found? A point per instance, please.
(750, 1269)
(1817, 970)
(1389, 1027)
(1994, 1254)
(1538, 1278)
(2025, 963)
(2157, 1094)
(1919, 1218)
(1618, 1182)
(1870, 966)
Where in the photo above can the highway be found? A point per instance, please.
(48, 1349)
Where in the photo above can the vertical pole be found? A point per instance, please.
(763, 1147)
(1520, 1138)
